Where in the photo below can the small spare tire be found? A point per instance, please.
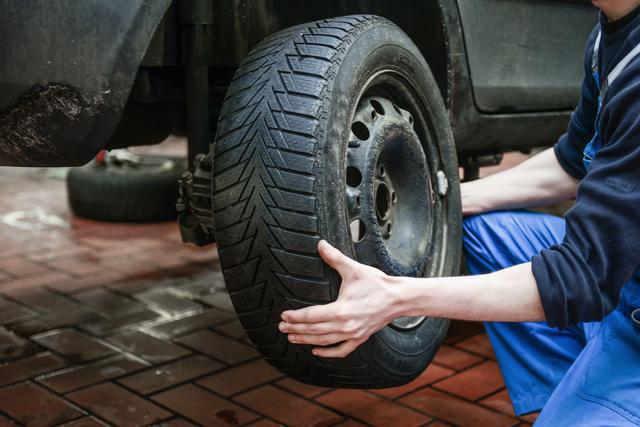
(145, 191)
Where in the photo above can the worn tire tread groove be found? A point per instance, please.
(311, 367)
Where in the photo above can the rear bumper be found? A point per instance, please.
(54, 125)
(66, 70)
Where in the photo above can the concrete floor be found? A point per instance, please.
(107, 324)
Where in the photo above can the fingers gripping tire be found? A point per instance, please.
(325, 125)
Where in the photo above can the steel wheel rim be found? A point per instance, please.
(392, 155)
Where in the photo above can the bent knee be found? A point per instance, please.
(501, 239)
(479, 241)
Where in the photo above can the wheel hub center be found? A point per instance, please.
(385, 198)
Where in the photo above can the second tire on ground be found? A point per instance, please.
(142, 190)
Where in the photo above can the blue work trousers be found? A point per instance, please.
(586, 375)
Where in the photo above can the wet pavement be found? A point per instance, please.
(105, 324)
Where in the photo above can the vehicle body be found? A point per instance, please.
(341, 120)
(79, 77)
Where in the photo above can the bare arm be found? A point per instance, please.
(369, 300)
(509, 295)
(536, 182)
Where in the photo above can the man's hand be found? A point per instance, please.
(365, 304)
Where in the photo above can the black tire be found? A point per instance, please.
(279, 187)
(121, 194)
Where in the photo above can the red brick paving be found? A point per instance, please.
(478, 344)
(219, 347)
(287, 408)
(70, 379)
(455, 410)
(84, 422)
(165, 376)
(147, 347)
(372, 409)
(29, 367)
(455, 359)
(73, 345)
(304, 390)
(123, 325)
(499, 401)
(118, 406)
(432, 374)
(34, 406)
(14, 347)
(474, 383)
(203, 407)
(241, 378)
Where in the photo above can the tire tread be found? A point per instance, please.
(265, 188)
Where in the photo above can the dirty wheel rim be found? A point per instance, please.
(395, 215)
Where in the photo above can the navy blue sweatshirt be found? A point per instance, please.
(580, 279)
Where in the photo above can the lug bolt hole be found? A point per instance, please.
(377, 106)
(354, 176)
(383, 201)
(381, 170)
(360, 130)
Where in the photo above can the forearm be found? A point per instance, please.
(536, 182)
(509, 295)
(370, 299)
